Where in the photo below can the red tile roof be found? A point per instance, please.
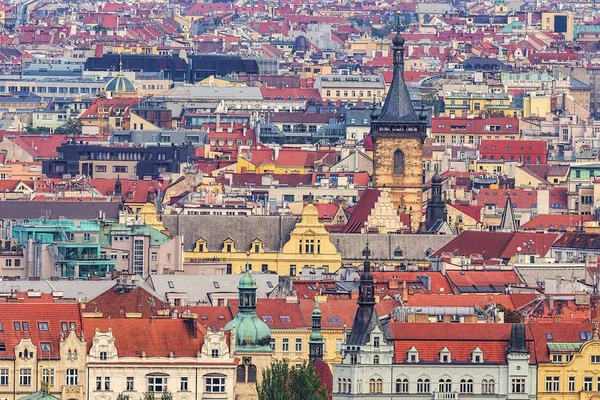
(39, 146)
(520, 197)
(541, 244)
(32, 313)
(277, 313)
(508, 126)
(472, 211)
(214, 317)
(414, 281)
(480, 281)
(461, 339)
(155, 337)
(488, 244)
(335, 313)
(561, 333)
(556, 222)
(117, 302)
(528, 151)
(134, 191)
(462, 300)
(361, 212)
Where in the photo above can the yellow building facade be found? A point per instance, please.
(463, 104)
(575, 375)
(309, 245)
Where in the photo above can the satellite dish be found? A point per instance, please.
(519, 248)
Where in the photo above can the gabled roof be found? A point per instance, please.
(559, 333)
(460, 339)
(32, 313)
(155, 337)
(119, 301)
(556, 222)
(482, 281)
(39, 146)
(489, 244)
(579, 240)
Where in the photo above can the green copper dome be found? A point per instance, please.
(120, 84)
(251, 333)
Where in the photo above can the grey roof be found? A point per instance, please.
(508, 222)
(55, 209)
(577, 84)
(193, 93)
(273, 231)
(398, 105)
(199, 288)
(351, 245)
(76, 289)
(532, 274)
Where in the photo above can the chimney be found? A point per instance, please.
(404, 292)
(218, 121)
(191, 323)
(550, 300)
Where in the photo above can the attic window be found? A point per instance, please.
(585, 335)
(43, 326)
(171, 285)
(285, 318)
(17, 326)
(204, 317)
(548, 336)
(2, 346)
(334, 320)
(270, 284)
(398, 252)
(221, 317)
(267, 318)
(216, 284)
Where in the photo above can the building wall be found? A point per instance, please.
(406, 190)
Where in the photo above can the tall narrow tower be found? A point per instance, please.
(398, 136)
(315, 341)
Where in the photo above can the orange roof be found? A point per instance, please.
(26, 317)
(483, 280)
(39, 146)
(335, 313)
(462, 300)
(277, 313)
(134, 191)
(116, 302)
(155, 337)
(558, 222)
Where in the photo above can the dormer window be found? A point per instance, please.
(477, 355)
(445, 356)
(200, 246)
(376, 342)
(257, 246)
(413, 355)
(398, 252)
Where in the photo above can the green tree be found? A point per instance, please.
(148, 396)
(166, 395)
(71, 127)
(280, 382)
(510, 316)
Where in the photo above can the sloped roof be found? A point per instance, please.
(483, 281)
(556, 222)
(32, 313)
(361, 212)
(118, 301)
(155, 337)
(489, 244)
(579, 240)
(562, 332)
(277, 313)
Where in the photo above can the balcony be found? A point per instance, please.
(445, 395)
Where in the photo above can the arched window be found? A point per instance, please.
(402, 385)
(349, 386)
(398, 162)
(372, 386)
(251, 373)
(444, 386)
(344, 386)
(241, 373)
(487, 386)
(466, 386)
(375, 359)
(339, 385)
(423, 385)
(379, 386)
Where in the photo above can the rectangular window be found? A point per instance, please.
(107, 383)
(285, 345)
(138, 256)
(120, 168)
(129, 383)
(17, 326)
(587, 384)
(4, 377)
(157, 384)
(184, 384)
(100, 168)
(98, 383)
(298, 344)
(571, 384)
(518, 385)
(552, 384)
(595, 359)
(25, 377)
(215, 384)
(72, 377)
(25, 325)
(8, 262)
(557, 358)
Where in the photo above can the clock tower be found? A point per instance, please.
(398, 136)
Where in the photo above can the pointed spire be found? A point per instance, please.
(315, 340)
(118, 186)
(398, 105)
(367, 291)
(508, 223)
(120, 64)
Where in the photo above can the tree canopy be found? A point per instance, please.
(282, 382)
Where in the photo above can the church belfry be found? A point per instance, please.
(398, 135)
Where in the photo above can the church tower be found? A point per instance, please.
(436, 206)
(398, 136)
